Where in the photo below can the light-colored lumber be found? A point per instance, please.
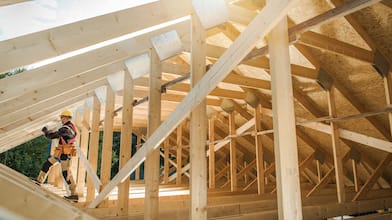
(84, 136)
(179, 154)
(107, 141)
(211, 150)
(198, 127)
(233, 154)
(93, 147)
(28, 49)
(259, 27)
(151, 165)
(336, 148)
(125, 142)
(259, 151)
(285, 143)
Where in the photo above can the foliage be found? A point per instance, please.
(3, 75)
(28, 157)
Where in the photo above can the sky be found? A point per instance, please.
(33, 16)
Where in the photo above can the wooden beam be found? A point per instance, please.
(103, 57)
(28, 49)
(166, 161)
(198, 127)
(211, 159)
(373, 178)
(93, 147)
(107, 141)
(233, 154)
(125, 142)
(11, 2)
(179, 154)
(262, 24)
(319, 41)
(84, 133)
(151, 166)
(259, 151)
(336, 148)
(285, 144)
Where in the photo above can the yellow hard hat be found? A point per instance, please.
(66, 113)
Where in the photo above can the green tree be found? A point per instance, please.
(27, 158)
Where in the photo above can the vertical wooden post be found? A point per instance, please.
(259, 151)
(84, 134)
(211, 160)
(93, 147)
(107, 142)
(388, 96)
(198, 128)
(179, 154)
(337, 150)
(139, 142)
(151, 165)
(166, 171)
(233, 154)
(318, 170)
(75, 160)
(285, 143)
(125, 142)
(355, 174)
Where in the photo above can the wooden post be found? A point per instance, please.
(211, 160)
(84, 134)
(93, 148)
(319, 175)
(285, 143)
(233, 154)
(125, 142)
(337, 150)
(179, 154)
(151, 165)
(166, 171)
(259, 151)
(107, 142)
(198, 128)
(75, 160)
(355, 174)
(139, 142)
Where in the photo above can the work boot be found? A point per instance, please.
(41, 177)
(72, 197)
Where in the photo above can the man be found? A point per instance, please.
(66, 135)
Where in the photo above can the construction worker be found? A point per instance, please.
(66, 135)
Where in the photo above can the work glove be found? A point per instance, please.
(45, 130)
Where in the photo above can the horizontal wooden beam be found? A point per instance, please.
(28, 49)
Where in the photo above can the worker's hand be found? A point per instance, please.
(45, 130)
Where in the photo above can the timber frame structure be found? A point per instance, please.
(275, 109)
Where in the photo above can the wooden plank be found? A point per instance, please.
(355, 175)
(334, 13)
(233, 154)
(198, 127)
(245, 42)
(32, 112)
(336, 148)
(93, 147)
(151, 165)
(323, 42)
(373, 177)
(166, 161)
(28, 49)
(259, 151)
(94, 60)
(23, 104)
(179, 154)
(211, 147)
(285, 143)
(125, 142)
(11, 2)
(107, 141)
(80, 182)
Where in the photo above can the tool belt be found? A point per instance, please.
(68, 149)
